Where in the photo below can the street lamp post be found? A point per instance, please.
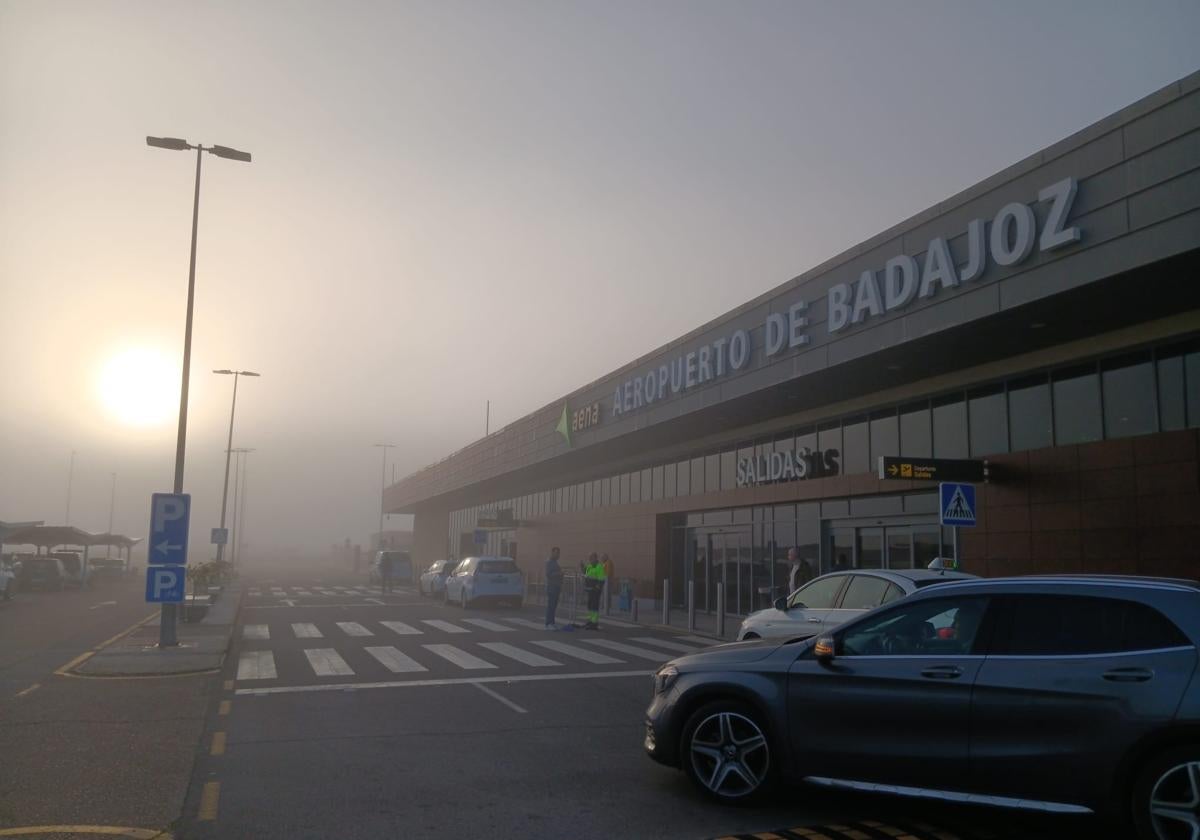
(241, 516)
(383, 485)
(238, 470)
(229, 449)
(112, 501)
(166, 633)
(70, 481)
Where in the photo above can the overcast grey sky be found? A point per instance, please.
(459, 201)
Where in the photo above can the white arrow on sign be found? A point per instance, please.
(165, 547)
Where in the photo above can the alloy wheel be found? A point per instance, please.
(729, 754)
(1175, 803)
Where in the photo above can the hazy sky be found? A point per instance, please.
(452, 202)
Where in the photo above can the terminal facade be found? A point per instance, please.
(1045, 321)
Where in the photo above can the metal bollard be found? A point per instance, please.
(574, 596)
(666, 604)
(633, 611)
(604, 598)
(721, 610)
(691, 625)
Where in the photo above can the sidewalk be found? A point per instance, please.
(202, 646)
(649, 616)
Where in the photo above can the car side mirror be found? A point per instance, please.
(823, 649)
(781, 604)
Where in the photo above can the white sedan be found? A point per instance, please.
(433, 579)
(485, 579)
(827, 601)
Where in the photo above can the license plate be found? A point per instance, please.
(499, 579)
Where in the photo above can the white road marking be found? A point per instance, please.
(326, 662)
(675, 646)
(374, 601)
(103, 604)
(353, 628)
(438, 624)
(394, 660)
(524, 622)
(459, 657)
(254, 591)
(629, 650)
(700, 640)
(510, 678)
(288, 601)
(578, 652)
(399, 627)
(488, 625)
(256, 631)
(501, 698)
(307, 631)
(523, 656)
(256, 665)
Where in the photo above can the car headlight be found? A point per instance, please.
(664, 678)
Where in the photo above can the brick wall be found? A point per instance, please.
(1127, 506)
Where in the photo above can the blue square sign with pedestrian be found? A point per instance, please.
(957, 504)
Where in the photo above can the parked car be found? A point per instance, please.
(825, 602)
(433, 580)
(8, 579)
(402, 567)
(1070, 694)
(479, 579)
(77, 572)
(42, 572)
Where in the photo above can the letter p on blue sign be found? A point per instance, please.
(164, 584)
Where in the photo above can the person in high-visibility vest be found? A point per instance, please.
(593, 582)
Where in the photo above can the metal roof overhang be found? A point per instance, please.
(50, 536)
(1103, 306)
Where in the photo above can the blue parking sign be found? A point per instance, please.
(169, 515)
(957, 504)
(164, 584)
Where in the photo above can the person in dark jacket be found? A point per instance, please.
(554, 579)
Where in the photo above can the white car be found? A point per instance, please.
(485, 578)
(433, 579)
(827, 601)
(401, 567)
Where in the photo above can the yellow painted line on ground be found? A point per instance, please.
(208, 801)
(218, 744)
(29, 690)
(111, 830)
(85, 656)
(768, 835)
(223, 709)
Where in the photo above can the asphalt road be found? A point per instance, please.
(89, 752)
(344, 713)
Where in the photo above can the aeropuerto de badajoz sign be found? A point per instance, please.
(1008, 238)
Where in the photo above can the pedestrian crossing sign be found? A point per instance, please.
(957, 504)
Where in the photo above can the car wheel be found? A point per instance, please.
(726, 752)
(1166, 795)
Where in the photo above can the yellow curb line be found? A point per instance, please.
(84, 657)
(137, 833)
(208, 801)
(29, 690)
(218, 744)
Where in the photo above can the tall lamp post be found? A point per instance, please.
(112, 501)
(70, 481)
(166, 633)
(238, 470)
(383, 484)
(229, 449)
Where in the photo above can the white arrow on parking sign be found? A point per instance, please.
(165, 547)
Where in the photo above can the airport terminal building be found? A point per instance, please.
(1045, 321)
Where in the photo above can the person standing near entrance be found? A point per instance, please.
(801, 572)
(593, 582)
(554, 579)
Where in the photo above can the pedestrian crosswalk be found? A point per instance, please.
(359, 648)
(322, 591)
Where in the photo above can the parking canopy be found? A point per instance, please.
(52, 536)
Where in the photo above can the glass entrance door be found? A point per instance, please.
(881, 546)
(728, 555)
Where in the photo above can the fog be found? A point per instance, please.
(456, 202)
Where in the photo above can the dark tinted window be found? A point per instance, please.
(1067, 625)
(1077, 406)
(864, 593)
(1029, 419)
(989, 426)
(915, 436)
(933, 627)
(894, 593)
(885, 436)
(950, 428)
(856, 456)
(1129, 398)
(1171, 393)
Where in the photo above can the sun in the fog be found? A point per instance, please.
(139, 387)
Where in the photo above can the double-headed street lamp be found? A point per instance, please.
(229, 449)
(166, 635)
